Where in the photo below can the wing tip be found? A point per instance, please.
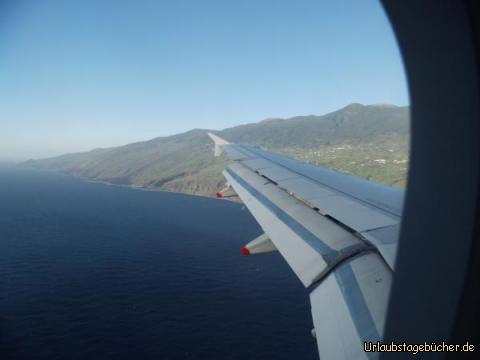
(219, 143)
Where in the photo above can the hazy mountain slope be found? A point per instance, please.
(369, 141)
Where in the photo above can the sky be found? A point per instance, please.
(77, 75)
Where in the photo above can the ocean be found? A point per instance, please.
(96, 271)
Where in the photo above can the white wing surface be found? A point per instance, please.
(337, 232)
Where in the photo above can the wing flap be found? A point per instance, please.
(304, 189)
(349, 305)
(384, 239)
(352, 213)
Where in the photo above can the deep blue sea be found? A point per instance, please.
(94, 271)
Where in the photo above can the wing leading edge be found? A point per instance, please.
(338, 233)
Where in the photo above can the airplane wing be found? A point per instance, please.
(337, 232)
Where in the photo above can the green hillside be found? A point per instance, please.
(367, 141)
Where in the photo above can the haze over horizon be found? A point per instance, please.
(193, 129)
(87, 75)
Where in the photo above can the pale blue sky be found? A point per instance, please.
(75, 75)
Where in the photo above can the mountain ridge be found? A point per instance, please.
(365, 140)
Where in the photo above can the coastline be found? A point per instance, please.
(129, 186)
